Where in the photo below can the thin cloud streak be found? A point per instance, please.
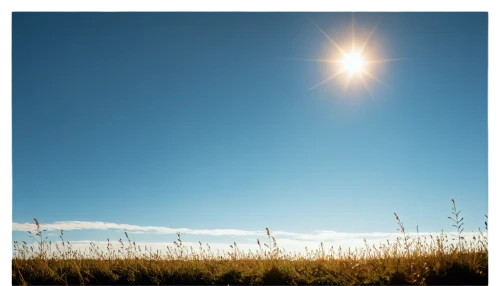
(315, 236)
(97, 225)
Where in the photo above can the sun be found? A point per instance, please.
(353, 62)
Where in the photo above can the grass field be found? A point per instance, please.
(421, 259)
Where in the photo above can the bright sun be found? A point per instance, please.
(353, 62)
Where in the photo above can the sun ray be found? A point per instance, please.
(367, 88)
(321, 60)
(376, 79)
(328, 37)
(353, 33)
(328, 79)
(385, 61)
(368, 38)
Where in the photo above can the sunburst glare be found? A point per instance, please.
(353, 62)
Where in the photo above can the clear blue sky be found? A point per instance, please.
(202, 120)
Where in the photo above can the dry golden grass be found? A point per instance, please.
(409, 260)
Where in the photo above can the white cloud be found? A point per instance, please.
(284, 238)
(82, 225)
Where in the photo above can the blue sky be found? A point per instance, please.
(204, 121)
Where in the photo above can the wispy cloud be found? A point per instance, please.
(316, 236)
(97, 225)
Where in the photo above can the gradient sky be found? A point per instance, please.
(206, 120)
